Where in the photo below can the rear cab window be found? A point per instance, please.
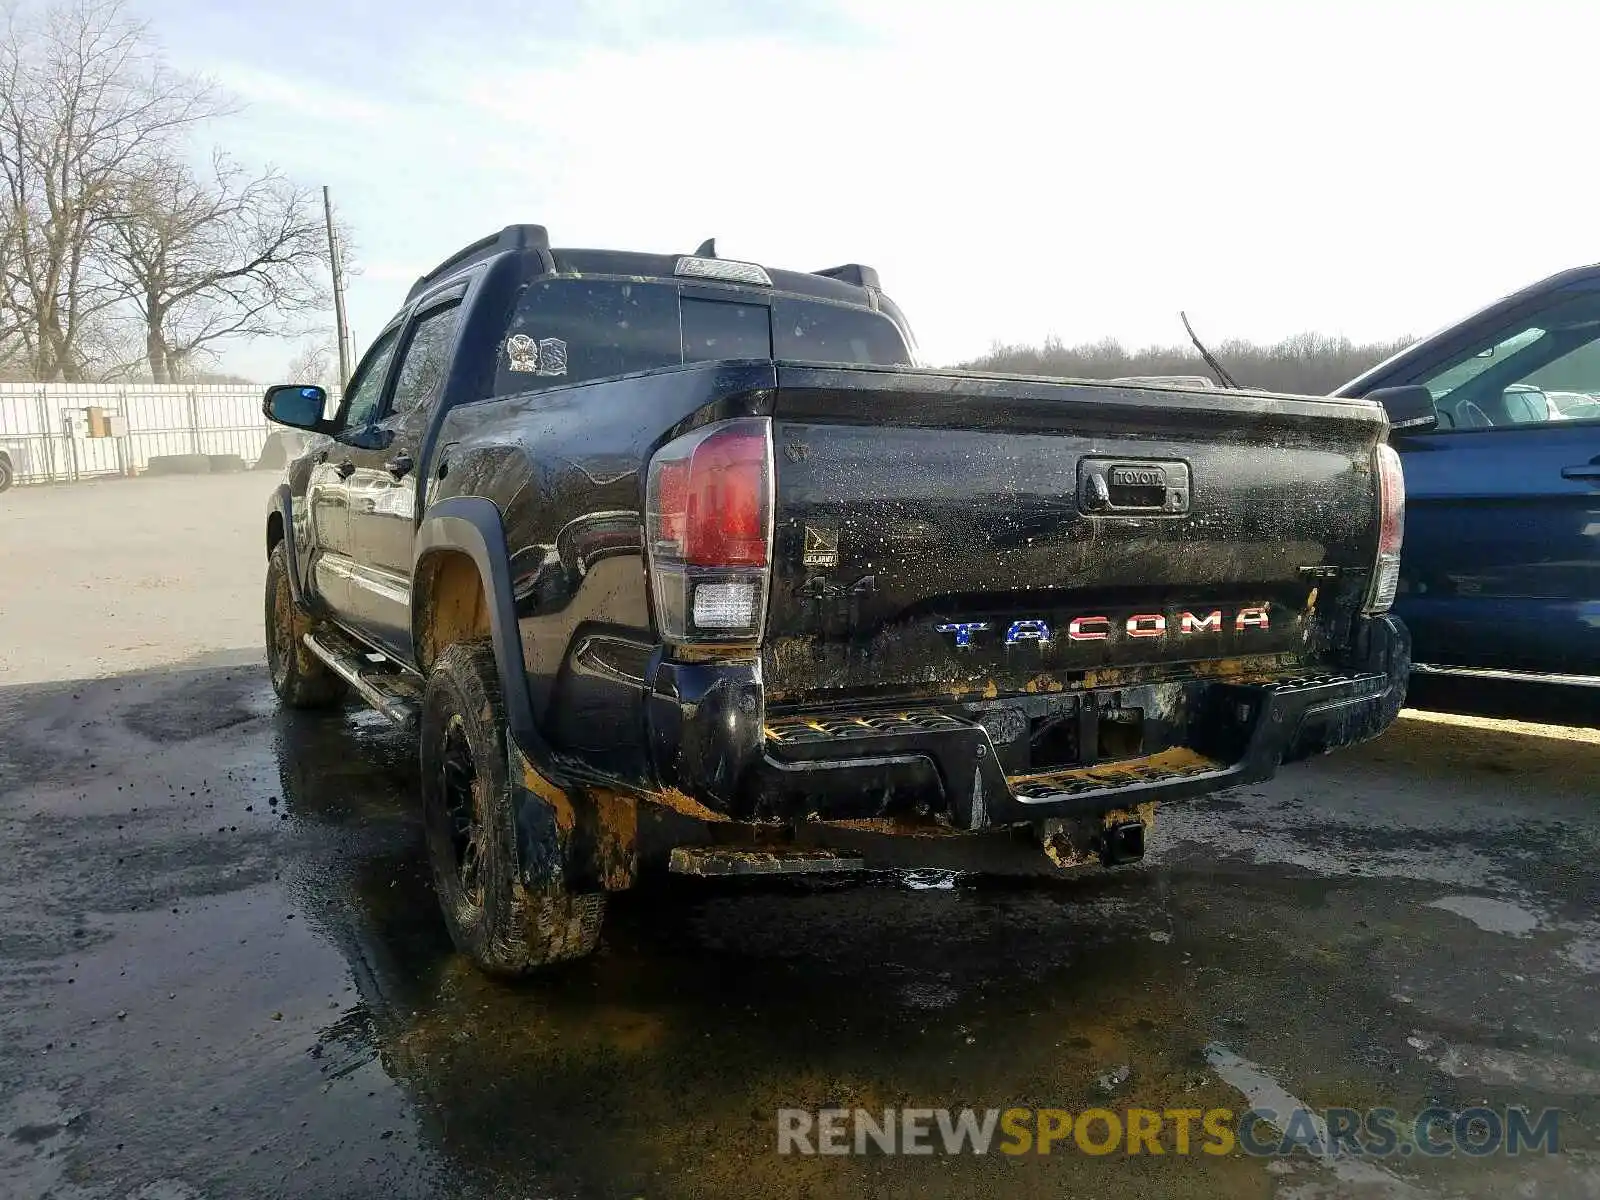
(728, 328)
(567, 330)
(816, 331)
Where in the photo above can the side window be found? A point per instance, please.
(1448, 380)
(427, 357)
(1543, 371)
(571, 330)
(1571, 384)
(361, 403)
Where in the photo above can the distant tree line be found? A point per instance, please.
(126, 251)
(1308, 363)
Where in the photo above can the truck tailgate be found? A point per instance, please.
(979, 536)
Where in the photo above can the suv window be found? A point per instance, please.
(426, 359)
(1447, 381)
(361, 403)
(1544, 369)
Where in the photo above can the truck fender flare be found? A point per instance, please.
(471, 525)
(283, 504)
(557, 842)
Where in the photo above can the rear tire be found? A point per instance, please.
(468, 814)
(301, 679)
(7, 476)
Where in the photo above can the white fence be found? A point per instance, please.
(44, 427)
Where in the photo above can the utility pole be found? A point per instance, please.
(341, 327)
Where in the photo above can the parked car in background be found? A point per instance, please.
(1498, 427)
(1575, 406)
(14, 461)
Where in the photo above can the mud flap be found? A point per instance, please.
(575, 842)
(604, 845)
(545, 818)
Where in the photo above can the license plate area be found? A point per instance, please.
(1052, 733)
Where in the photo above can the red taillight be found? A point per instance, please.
(707, 517)
(725, 500)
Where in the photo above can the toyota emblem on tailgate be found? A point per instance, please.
(1138, 477)
(1138, 488)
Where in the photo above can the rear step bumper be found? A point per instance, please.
(708, 739)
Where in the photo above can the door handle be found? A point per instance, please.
(345, 469)
(1589, 471)
(400, 465)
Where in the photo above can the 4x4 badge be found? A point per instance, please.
(822, 547)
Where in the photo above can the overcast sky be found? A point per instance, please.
(1013, 170)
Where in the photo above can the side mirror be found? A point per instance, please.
(297, 405)
(1410, 407)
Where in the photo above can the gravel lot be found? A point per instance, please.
(222, 972)
(120, 574)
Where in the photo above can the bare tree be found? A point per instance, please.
(207, 258)
(86, 107)
(315, 362)
(15, 351)
(1308, 363)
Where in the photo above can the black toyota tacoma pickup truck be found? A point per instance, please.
(641, 542)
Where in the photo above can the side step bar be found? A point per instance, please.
(1589, 681)
(385, 686)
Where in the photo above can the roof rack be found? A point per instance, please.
(864, 277)
(512, 237)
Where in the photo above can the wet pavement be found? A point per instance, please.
(222, 974)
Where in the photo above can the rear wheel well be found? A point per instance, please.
(451, 604)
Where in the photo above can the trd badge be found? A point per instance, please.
(822, 547)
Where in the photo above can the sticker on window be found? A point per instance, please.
(536, 356)
(552, 356)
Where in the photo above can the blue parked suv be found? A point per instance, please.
(1497, 421)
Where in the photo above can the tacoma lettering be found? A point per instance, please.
(1099, 628)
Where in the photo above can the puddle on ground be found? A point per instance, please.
(1491, 915)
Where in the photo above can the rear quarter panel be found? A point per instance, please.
(565, 467)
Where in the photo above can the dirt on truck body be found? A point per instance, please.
(670, 552)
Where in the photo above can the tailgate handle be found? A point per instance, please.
(1112, 486)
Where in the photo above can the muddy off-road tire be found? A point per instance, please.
(301, 679)
(471, 833)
